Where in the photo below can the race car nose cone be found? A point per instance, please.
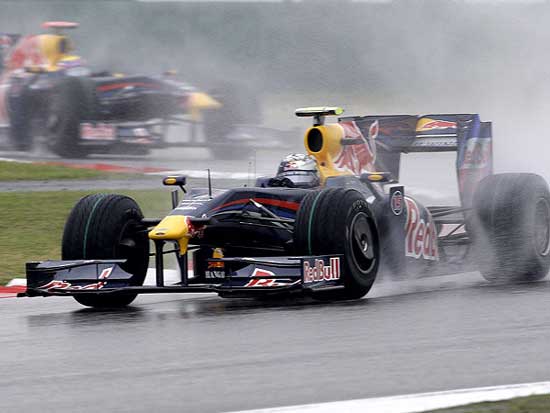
(173, 228)
(202, 101)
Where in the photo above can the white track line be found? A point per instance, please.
(421, 402)
(14, 160)
(17, 282)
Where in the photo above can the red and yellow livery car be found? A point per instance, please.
(46, 90)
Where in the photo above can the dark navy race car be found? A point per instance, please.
(47, 91)
(326, 229)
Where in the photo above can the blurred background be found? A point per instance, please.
(415, 56)
(370, 57)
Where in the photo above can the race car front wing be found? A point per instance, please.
(241, 277)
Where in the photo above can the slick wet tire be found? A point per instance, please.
(510, 227)
(107, 226)
(339, 221)
(67, 105)
(20, 112)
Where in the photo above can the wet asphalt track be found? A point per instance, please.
(203, 353)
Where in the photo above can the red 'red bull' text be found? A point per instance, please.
(420, 234)
(321, 272)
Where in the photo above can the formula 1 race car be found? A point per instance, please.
(47, 91)
(330, 241)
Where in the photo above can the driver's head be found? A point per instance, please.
(299, 171)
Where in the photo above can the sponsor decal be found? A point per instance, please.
(428, 124)
(420, 234)
(396, 201)
(435, 142)
(268, 282)
(360, 157)
(321, 272)
(55, 284)
(477, 154)
(214, 274)
(264, 278)
(217, 253)
(258, 272)
(63, 285)
(99, 131)
(190, 204)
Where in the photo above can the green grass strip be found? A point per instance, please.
(27, 235)
(22, 171)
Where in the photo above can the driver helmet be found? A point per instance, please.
(300, 169)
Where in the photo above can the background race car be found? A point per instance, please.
(330, 241)
(46, 90)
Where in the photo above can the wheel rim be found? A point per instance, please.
(361, 243)
(542, 227)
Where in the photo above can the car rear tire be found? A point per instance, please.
(339, 221)
(107, 226)
(511, 227)
(20, 112)
(67, 104)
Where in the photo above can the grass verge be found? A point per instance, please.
(31, 224)
(531, 404)
(16, 171)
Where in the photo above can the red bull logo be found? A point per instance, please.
(427, 124)
(321, 272)
(27, 53)
(360, 156)
(420, 234)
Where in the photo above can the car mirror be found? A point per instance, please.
(376, 177)
(179, 180)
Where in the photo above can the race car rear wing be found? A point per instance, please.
(427, 133)
(360, 144)
(465, 134)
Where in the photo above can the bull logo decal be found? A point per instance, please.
(358, 154)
